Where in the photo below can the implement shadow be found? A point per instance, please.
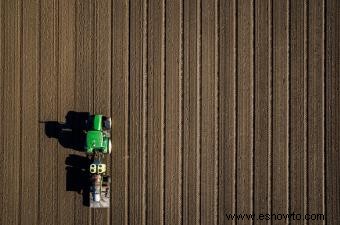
(77, 177)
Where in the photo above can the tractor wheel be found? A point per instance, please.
(110, 146)
(107, 123)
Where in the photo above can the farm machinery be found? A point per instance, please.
(97, 146)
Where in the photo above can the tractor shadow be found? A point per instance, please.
(70, 134)
(77, 177)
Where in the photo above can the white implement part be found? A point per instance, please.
(97, 197)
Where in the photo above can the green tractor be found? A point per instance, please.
(97, 144)
(98, 135)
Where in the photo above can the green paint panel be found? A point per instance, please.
(97, 122)
(94, 140)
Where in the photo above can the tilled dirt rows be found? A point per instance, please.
(55, 58)
(218, 107)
